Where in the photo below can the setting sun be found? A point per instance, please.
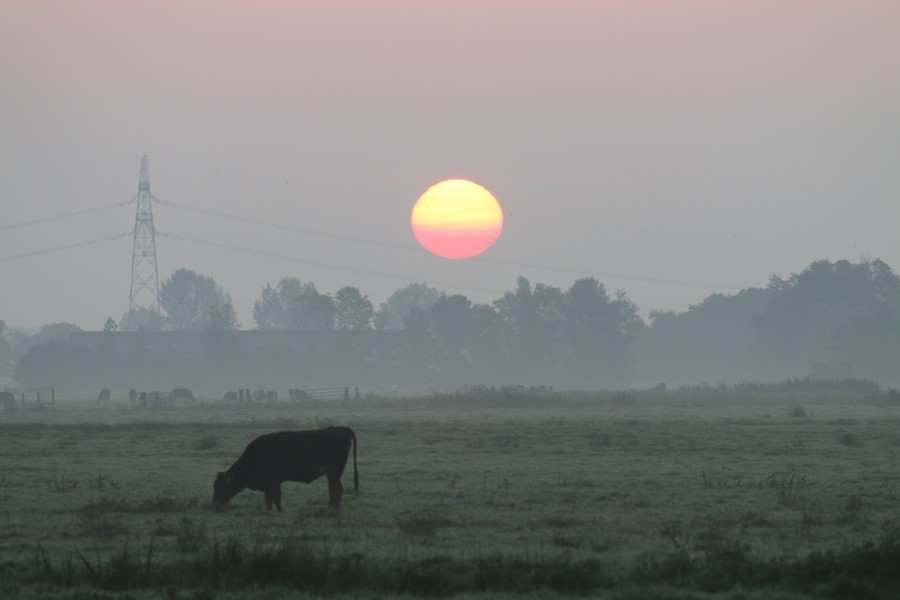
(457, 219)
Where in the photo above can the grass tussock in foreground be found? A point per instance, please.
(866, 571)
(232, 566)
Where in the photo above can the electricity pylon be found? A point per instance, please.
(144, 274)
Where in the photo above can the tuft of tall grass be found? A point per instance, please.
(231, 567)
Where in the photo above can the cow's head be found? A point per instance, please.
(225, 487)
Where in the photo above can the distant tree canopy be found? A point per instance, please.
(276, 309)
(140, 318)
(543, 335)
(712, 341)
(830, 312)
(193, 302)
(6, 353)
(395, 309)
(352, 310)
(534, 335)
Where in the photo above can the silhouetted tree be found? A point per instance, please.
(598, 331)
(313, 311)
(189, 301)
(395, 309)
(6, 356)
(711, 341)
(352, 310)
(490, 350)
(222, 317)
(51, 331)
(275, 309)
(140, 318)
(808, 310)
(534, 323)
(451, 322)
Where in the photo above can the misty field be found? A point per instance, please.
(698, 493)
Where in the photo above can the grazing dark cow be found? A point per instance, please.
(8, 400)
(303, 456)
(103, 398)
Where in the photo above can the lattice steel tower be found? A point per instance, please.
(144, 274)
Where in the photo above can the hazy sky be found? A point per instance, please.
(672, 149)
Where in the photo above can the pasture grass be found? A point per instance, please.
(691, 493)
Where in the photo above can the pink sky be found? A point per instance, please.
(694, 142)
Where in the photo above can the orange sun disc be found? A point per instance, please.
(457, 218)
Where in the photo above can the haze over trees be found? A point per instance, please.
(535, 334)
(393, 310)
(830, 312)
(141, 319)
(193, 302)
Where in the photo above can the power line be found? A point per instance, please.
(325, 265)
(65, 247)
(481, 259)
(346, 238)
(291, 228)
(60, 217)
(604, 274)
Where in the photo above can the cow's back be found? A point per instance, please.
(295, 455)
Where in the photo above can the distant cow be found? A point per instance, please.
(103, 398)
(158, 400)
(182, 395)
(8, 400)
(297, 394)
(303, 456)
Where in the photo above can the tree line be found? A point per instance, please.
(544, 335)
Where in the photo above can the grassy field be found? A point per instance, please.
(751, 492)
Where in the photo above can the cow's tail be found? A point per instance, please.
(355, 471)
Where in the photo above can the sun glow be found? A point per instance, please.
(457, 218)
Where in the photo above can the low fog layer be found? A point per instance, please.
(832, 320)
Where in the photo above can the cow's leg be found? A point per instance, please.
(276, 496)
(335, 491)
(273, 496)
